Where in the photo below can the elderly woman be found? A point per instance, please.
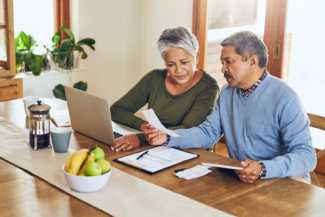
(181, 95)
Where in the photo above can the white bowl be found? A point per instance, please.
(86, 184)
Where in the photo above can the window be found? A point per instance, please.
(7, 43)
(35, 17)
(226, 18)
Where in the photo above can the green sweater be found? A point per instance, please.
(183, 111)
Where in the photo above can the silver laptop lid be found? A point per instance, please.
(90, 115)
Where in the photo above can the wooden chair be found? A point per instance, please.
(319, 123)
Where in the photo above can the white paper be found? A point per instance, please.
(222, 166)
(193, 172)
(158, 158)
(154, 121)
(197, 175)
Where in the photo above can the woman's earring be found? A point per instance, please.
(167, 73)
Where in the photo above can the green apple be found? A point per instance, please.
(93, 169)
(81, 174)
(105, 165)
(99, 153)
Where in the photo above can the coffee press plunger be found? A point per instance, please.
(39, 125)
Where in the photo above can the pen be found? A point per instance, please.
(67, 122)
(176, 171)
(142, 155)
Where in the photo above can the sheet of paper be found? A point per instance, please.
(153, 119)
(193, 172)
(61, 118)
(223, 166)
(158, 158)
(197, 175)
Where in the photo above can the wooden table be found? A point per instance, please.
(23, 194)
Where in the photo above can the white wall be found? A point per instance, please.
(126, 33)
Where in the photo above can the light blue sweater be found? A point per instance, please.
(270, 126)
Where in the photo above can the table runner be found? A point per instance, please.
(123, 195)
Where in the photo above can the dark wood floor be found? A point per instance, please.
(222, 150)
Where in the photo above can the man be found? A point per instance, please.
(261, 117)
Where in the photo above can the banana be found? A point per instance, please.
(73, 166)
(68, 163)
(90, 158)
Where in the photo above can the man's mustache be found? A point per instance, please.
(227, 75)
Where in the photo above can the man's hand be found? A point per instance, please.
(155, 136)
(251, 172)
(126, 143)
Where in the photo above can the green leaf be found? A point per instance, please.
(81, 86)
(87, 41)
(31, 40)
(19, 64)
(19, 55)
(56, 39)
(80, 49)
(89, 45)
(39, 58)
(24, 40)
(17, 39)
(68, 32)
(59, 92)
(66, 45)
(32, 63)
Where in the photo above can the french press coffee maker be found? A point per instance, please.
(39, 125)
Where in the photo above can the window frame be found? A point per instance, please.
(8, 26)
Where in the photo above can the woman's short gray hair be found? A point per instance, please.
(248, 44)
(178, 37)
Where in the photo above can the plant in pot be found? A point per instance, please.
(64, 57)
(24, 47)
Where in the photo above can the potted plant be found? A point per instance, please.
(64, 57)
(24, 46)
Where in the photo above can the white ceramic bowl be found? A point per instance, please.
(86, 184)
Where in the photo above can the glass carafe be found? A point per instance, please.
(39, 125)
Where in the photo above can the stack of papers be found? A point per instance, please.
(194, 172)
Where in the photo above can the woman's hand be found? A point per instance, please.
(126, 143)
(154, 136)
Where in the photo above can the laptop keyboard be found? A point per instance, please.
(117, 135)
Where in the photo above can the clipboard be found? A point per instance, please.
(158, 158)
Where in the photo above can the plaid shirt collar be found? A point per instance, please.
(248, 92)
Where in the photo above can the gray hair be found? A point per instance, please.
(248, 44)
(178, 37)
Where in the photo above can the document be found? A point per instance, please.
(61, 118)
(222, 166)
(154, 121)
(193, 172)
(156, 159)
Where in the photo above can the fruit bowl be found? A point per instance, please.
(86, 184)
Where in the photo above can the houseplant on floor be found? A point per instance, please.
(64, 57)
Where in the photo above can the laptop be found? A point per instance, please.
(90, 115)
